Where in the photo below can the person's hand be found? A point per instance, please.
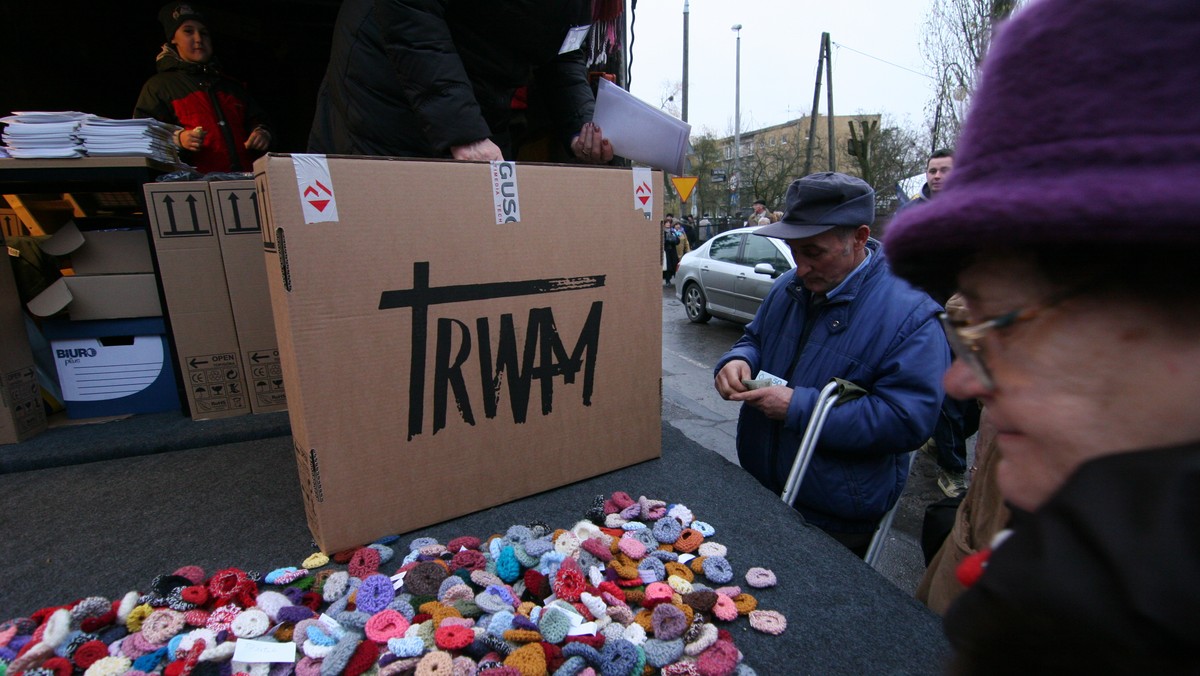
(259, 139)
(479, 150)
(190, 139)
(956, 308)
(591, 146)
(773, 401)
(729, 378)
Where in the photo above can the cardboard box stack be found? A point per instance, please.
(104, 323)
(459, 335)
(208, 246)
(239, 231)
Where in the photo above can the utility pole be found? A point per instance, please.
(823, 60)
(829, 100)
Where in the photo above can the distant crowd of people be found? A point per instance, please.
(677, 239)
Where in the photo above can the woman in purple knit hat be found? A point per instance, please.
(1071, 225)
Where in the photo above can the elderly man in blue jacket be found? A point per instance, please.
(840, 313)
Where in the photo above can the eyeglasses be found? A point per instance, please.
(966, 340)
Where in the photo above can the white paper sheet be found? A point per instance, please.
(639, 131)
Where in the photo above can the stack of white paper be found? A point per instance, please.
(641, 132)
(144, 137)
(33, 134)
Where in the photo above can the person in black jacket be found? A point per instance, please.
(436, 78)
(223, 127)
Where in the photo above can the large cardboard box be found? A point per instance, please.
(459, 335)
(239, 231)
(21, 412)
(198, 309)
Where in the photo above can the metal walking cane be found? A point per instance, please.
(885, 525)
(826, 400)
(808, 443)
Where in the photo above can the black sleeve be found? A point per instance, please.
(570, 96)
(421, 51)
(152, 103)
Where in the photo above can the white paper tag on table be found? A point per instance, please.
(259, 652)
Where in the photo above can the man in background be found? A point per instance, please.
(958, 419)
(937, 170)
(760, 212)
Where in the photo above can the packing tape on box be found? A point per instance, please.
(504, 192)
(316, 188)
(643, 191)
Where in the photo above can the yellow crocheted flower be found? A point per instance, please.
(138, 615)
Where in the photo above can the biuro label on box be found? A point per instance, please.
(543, 357)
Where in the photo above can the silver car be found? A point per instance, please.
(729, 275)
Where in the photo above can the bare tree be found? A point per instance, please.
(956, 36)
(710, 196)
(770, 168)
(885, 155)
(669, 101)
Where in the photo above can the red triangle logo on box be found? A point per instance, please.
(319, 204)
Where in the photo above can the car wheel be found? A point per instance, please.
(694, 304)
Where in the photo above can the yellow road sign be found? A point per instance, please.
(685, 185)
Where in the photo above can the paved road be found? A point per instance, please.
(691, 404)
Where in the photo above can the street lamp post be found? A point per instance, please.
(685, 60)
(737, 121)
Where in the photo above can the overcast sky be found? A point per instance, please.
(779, 49)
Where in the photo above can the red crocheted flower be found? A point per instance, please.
(225, 585)
(195, 595)
(312, 600)
(608, 587)
(554, 656)
(185, 665)
(364, 658)
(453, 637)
(91, 625)
(364, 563)
(468, 559)
(464, 542)
(59, 665)
(569, 581)
(345, 555)
(88, 653)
